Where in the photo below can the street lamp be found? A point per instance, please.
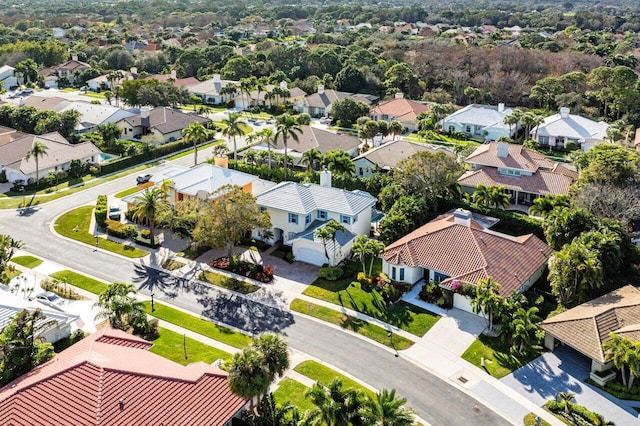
(24, 193)
(153, 308)
(390, 336)
(96, 249)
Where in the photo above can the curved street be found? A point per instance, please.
(435, 400)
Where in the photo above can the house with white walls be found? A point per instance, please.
(165, 122)
(8, 77)
(319, 104)
(559, 129)
(400, 109)
(211, 91)
(297, 210)
(480, 121)
(456, 248)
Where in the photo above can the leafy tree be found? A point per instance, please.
(28, 69)
(606, 201)
(543, 206)
(129, 91)
(339, 162)
(609, 164)
(487, 299)
(562, 225)
(348, 111)
(118, 305)
(110, 133)
(327, 233)
(390, 194)
(20, 349)
(287, 127)
(37, 151)
(196, 133)
(387, 410)
(149, 205)
(8, 247)
(428, 173)
(407, 213)
(227, 217)
(573, 271)
(337, 406)
(350, 79)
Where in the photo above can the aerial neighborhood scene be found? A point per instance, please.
(328, 214)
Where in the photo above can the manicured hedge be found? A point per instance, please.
(116, 228)
(100, 211)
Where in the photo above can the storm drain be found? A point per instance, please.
(462, 379)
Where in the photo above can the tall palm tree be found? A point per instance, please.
(337, 406)
(248, 376)
(150, 204)
(267, 136)
(498, 198)
(8, 247)
(270, 413)
(195, 133)
(328, 233)
(524, 328)
(275, 356)
(387, 410)
(487, 299)
(38, 150)
(617, 350)
(311, 158)
(339, 161)
(118, 304)
(231, 130)
(287, 127)
(395, 128)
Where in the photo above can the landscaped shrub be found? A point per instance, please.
(330, 273)
(116, 229)
(145, 234)
(365, 282)
(577, 414)
(100, 212)
(130, 231)
(391, 294)
(432, 293)
(62, 289)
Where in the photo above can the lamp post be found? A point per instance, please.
(97, 242)
(24, 199)
(390, 336)
(153, 308)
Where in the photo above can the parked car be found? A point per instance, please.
(271, 121)
(114, 212)
(50, 299)
(143, 178)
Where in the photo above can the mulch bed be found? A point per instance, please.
(264, 274)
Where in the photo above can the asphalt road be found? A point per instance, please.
(436, 401)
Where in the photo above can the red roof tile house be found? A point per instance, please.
(111, 378)
(403, 110)
(456, 247)
(525, 174)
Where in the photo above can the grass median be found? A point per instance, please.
(229, 283)
(359, 326)
(126, 192)
(81, 281)
(324, 375)
(198, 325)
(174, 346)
(27, 261)
(75, 225)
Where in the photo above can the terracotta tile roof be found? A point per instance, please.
(400, 109)
(543, 182)
(468, 253)
(517, 158)
(587, 326)
(85, 383)
(178, 82)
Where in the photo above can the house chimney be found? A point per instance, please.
(144, 113)
(173, 74)
(503, 149)
(377, 140)
(283, 85)
(500, 107)
(320, 89)
(462, 217)
(74, 57)
(134, 71)
(325, 178)
(121, 403)
(399, 95)
(564, 112)
(216, 78)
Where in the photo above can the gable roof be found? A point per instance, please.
(305, 198)
(166, 120)
(401, 109)
(543, 182)
(386, 156)
(573, 126)
(211, 87)
(517, 157)
(329, 96)
(587, 326)
(177, 82)
(43, 103)
(481, 115)
(209, 178)
(110, 378)
(469, 253)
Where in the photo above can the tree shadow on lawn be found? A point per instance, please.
(353, 324)
(244, 314)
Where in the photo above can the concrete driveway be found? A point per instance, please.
(564, 370)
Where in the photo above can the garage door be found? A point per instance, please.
(309, 255)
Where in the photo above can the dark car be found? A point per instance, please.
(143, 178)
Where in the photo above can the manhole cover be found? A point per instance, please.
(476, 409)
(462, 379)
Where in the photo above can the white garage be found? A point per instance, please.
(308, 251)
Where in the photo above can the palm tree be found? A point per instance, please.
(248, 376)
(487, 299)
(195, 133)
(270, 413)
(498, 198)
(513, 119)
(38, 150)
(361, 251)
(524, 328)
(275, 357)
(8, 247)
(339, 161)
(542, 206)
(150, 204)
(232, 130)
(268, 136)
(567, 398)
(387, 410)
(311, 158)
(287, 127)
(250, 157)
(118, 304)
(337, 406)
(328, 233)
(573, 271)
(395, 128)
(633, 361)
(617, 350)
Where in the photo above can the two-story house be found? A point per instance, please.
(63, 71)
(524, 173)
(164, 122)
(297, 210)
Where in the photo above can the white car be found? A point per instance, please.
(51, 299)
(114, 212)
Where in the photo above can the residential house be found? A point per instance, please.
(112, 378)
(319, 104)
(8, 77)
(481, 121)
(202, 182)
(59, 155)
(384, 158)
(587, 326)
(297, 210)
(211, 92)
(46, 103)
(559, 129)
(525, 174)
(66, 71)
(165, 122)
(400, 109)
(267, 96)
(177, 82)
(457, 249)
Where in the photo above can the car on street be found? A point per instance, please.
(271, 121)
(51, 299)
(143, 178)
(114, 212)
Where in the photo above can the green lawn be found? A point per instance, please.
(371, 331)
(171, 345)
(172, 264)
(80, 281)
(27, 261)
(245, 128)
(292, 391)
(499, 361)
(197, 325)
(530, 420)
(126, 192)
(229, 283)
(75, 225)
(11, 272)
(318, 372)
(348, 293)
(94, 95)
